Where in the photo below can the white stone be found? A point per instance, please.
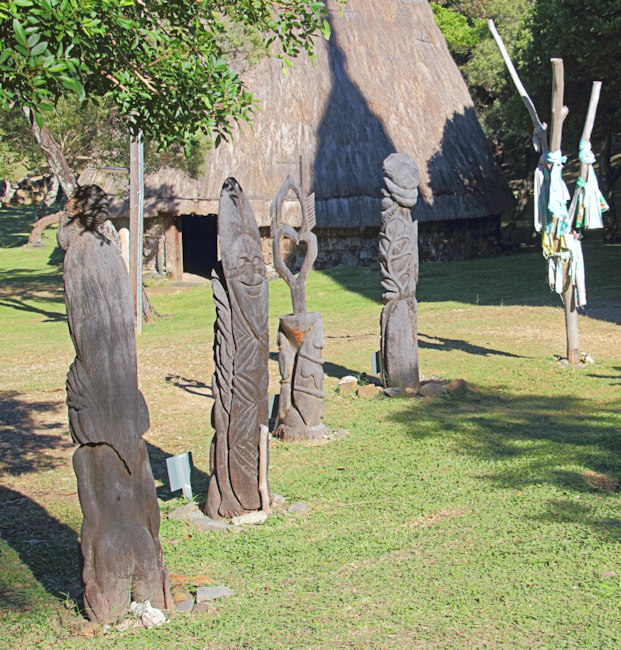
(150, 616)
(182, 512)
(432, 389)
(299, 509)
(211, 593)
(200, 521)
(250, 518)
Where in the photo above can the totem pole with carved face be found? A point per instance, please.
(119, 541)
(240, 380)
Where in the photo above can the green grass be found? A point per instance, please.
(487, 520)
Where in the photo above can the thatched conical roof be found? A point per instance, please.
(385, 82)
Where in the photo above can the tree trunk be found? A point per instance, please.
(53, 153)
(571, 319)
(559, 113)
(34, 238)
(50, 197)
(9, 192)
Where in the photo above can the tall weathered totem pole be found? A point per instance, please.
(240, 381)
(300, 335)
(107, 417)
(398, 260)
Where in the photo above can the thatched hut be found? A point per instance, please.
(385, 82)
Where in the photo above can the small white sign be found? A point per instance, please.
(377, 363)
(179, 469)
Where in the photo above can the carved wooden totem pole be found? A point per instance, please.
(398, 260)
(300, 335)
(107, 417)
(240, 381)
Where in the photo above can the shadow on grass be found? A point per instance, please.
(32, 291)
(24, 446)
(331, 369)
(516, 279)
(444, 344)
(616, 377)
(192, 386)
(44, 544)
(15, 226)
(531, 441)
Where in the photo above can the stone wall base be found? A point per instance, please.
(438, 241)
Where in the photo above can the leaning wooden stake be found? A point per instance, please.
(263, 460)
(540, 127)
(588, 123)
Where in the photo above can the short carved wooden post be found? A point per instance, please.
(300, 335)
(398, 260)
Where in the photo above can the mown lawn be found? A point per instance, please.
(486, 520)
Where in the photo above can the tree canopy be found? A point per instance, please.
(164, 64)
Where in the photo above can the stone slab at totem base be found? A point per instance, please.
(300, 335)
(398, 261)
(121, 551)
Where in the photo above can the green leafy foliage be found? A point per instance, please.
(585, 35)
(167, 66)
(461, 34)
(481, 63)
(88, 134)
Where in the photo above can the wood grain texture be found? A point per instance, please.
(398, 260)
(107, 417)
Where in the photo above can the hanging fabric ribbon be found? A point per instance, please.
(540, 203)
(569, 252)
(558, 195)
(588, 202)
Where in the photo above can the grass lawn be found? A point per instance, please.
(486, 520)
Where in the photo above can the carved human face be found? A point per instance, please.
(246, 278)
(248, 268)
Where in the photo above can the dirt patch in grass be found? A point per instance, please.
(434, 518)
(601, 482)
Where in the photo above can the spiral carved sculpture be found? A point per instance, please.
(398, 260)
(107, 417)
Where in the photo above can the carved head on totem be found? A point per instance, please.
(242, 256)
(397, 240)
(87, 209)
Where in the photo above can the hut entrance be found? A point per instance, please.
(200, 247)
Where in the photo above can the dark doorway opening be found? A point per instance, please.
(200, 244)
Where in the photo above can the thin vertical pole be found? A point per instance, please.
(559, 113)
(136, 216)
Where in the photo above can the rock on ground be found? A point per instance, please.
(250, 518)
(432, 389)
(201, 522)
(204, 594)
